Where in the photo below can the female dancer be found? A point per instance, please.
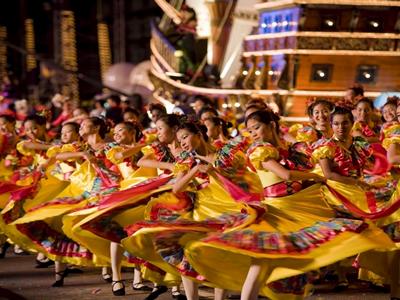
(196, 197)
(95, 176)
(318, 112)
(364, 126)
(217, 130)
(293, 233)
(342, 159)
(105, 225)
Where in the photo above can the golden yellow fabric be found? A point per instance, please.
(262, 154)
(111, 154)
(26, 152)
(390, 141)
(147, 150)
(179, 167)
(323, 152)
(295, 128)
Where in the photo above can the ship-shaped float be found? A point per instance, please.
(287, 50)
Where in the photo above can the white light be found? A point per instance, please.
(263, 25)
(374, 24)
(321, 73)
(270, 72)
(258, 73)
(224, 105)
(245, 72)
(330, 23)
(285, 23)
(237, 104)
(274, 24)
(367, 75)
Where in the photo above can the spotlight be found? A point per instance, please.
(257, 72)
(270, 72)
(367, 73)
(245, 72)
(263, 25)
(237, 104)
(321, 72)
(329, 23)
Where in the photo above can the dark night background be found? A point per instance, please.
(131, 45)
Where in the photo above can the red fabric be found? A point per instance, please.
(237, 192)
(381, 164)
(359, 212)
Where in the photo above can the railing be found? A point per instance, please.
(331, 42)
(165, 49)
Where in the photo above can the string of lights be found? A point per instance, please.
(69, 53)
(30, 45)
(104, 48)
(3, 51)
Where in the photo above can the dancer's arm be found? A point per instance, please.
(332, 175)
(184, 179)
(288, 175)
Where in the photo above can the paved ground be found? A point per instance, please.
(20, 280)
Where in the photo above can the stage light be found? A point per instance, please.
(270, 72)
(263, 25)
(321, 72)
(224, 105)
(329, 23)
(374, 24)
(367, 73)
(237, 104)
(245, 72)
(257, 72)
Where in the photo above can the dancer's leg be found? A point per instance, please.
(251, 287)
(219, 294)
(191, 288)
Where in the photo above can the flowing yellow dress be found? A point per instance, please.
(43, 225)
(96, 227)
(295, 231)
(172, 220)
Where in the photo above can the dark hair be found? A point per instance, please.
(115, 98)
(339, 110)
(367, 101)
(220, 122)
(208, 109)
(133, 111)
(39, 120)
(206, 101)
(171, 120)
(311, 107)
(264, 116)
(8, 118)
(75, 126)
(391, 101)
(133, 127)
(195, 128)
(97, 122)
(358, 90)
(157, 106)
(256, 102)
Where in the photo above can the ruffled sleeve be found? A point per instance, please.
(148, 150)
(391, 135)
(262, 153)
(386, 143)
(357, 126)
(323, 149)
(53, 151)
(110, 154)
(26, 152)
(295, 128)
